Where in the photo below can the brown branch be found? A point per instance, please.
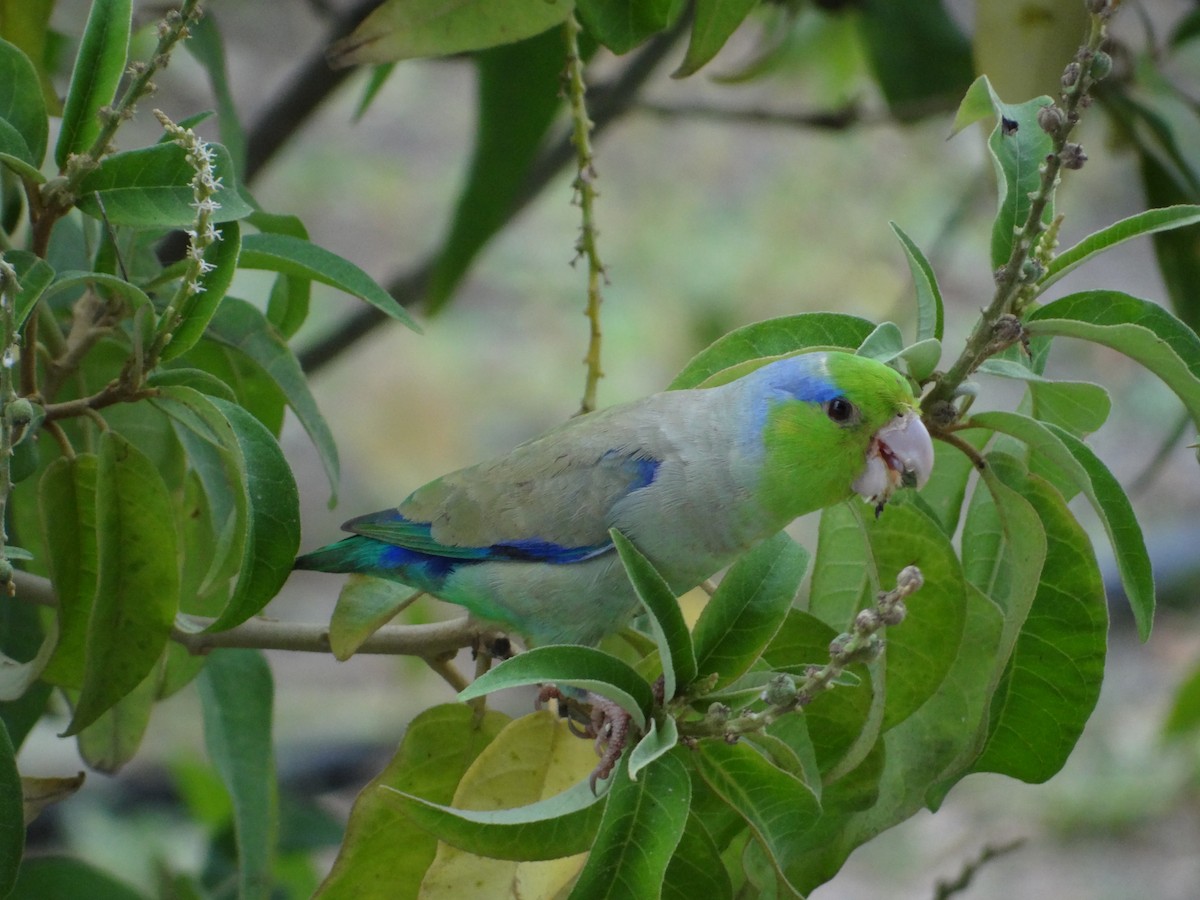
(829, 120)
(430, 642)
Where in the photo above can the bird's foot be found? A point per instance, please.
(610, 726)
(607, 724)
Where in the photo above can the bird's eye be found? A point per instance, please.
(841, 410)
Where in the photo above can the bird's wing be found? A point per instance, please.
(548, 500)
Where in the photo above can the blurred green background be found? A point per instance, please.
(707, 223)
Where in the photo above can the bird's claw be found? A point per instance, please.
(610, 727)
(608, 724)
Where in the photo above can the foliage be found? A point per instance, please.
(153, 512)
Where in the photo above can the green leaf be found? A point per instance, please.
(375, 81)
(12, 818)
(66, 281)
(666, 619)
(943, 495)
(205, 44)
(576, 666)
(26, 23)
(930, 314)
(295, 256)
(404, 29)
(67, 509)
(748, 608)
(151, 188)
(1004, 549)
(223, 257)
(216, 461)
(384, 854)
(273, 529)
(1151, 221)
(696, 869)
(242, 326)
(1018, 147)
(921, 652)
(715, 22)
(642, 825)
(236, 695)
(621, 25)
(1085, 470)
(778, 806)
(62, 876)
(762, 341)
(840, 582)
(1184, 717)
(364, 606)
(518, 98)
(1057, 665)
(20, 716)
(918, 54)
(137, 583)
(1175, 250)
(287, 307)
(836, 719)
(939, 736)
(34, 275)
(885, 343)
(22, 106)
(197, 379)
(654, 743)
(113, 739)
(98, 69)
(253, 388)
(1138, 328)
(1078, 406)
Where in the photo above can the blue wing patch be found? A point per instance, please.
(391, 527)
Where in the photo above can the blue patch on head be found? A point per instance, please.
(805, 377)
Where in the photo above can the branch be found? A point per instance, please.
(609, 104)
(585, 196)
(430, 642)
(861, 644)
(831, 120)
(999, 326)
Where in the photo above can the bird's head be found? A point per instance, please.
(836, 424)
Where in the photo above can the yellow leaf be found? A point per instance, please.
(533, 758)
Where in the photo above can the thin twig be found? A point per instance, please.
(944, 890)
(585, 196)
(785, 694)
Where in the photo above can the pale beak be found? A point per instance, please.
(900, 455)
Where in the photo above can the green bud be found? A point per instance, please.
(19, 412)
(780, 690)
(1101, 65)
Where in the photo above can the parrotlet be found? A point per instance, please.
(694, 478)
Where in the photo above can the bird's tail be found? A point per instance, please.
(352, 554)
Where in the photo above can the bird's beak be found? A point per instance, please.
(900, 455)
